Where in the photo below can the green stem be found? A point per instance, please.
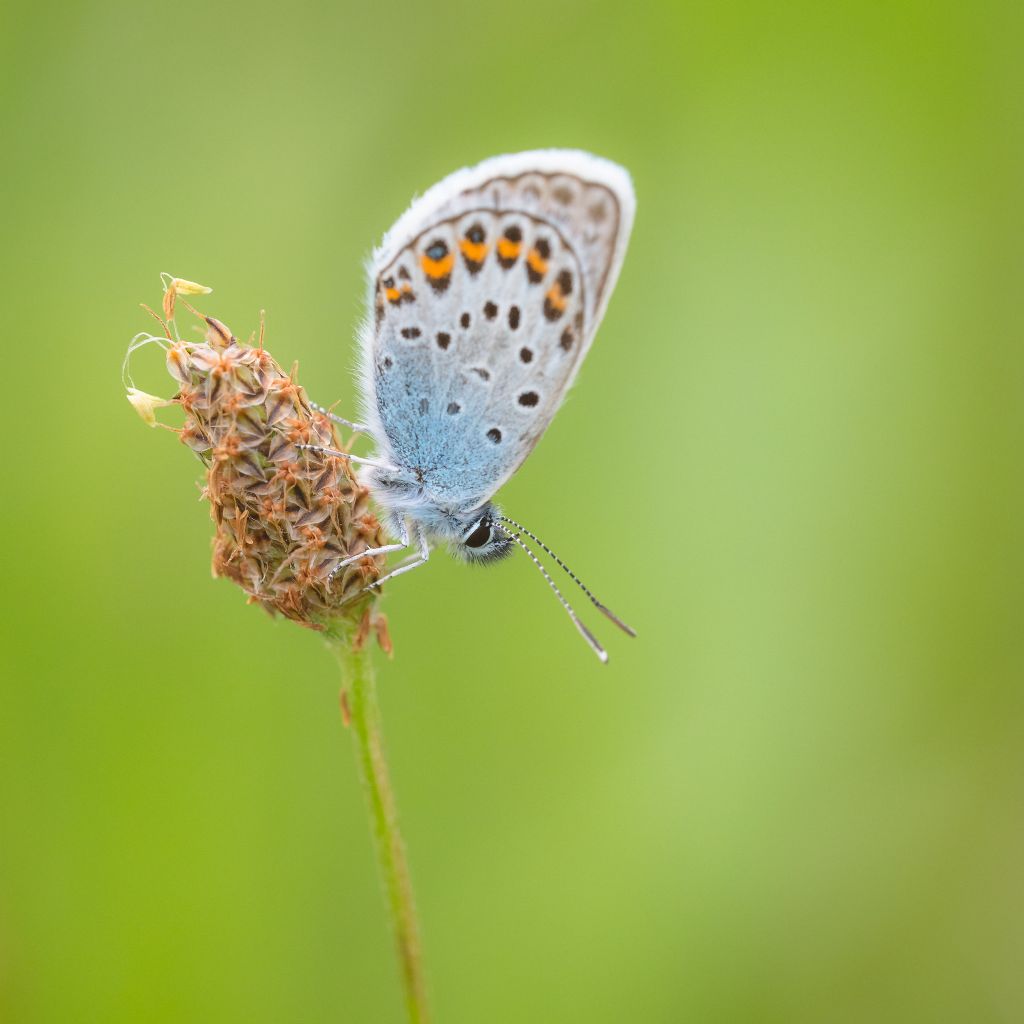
(359, 682)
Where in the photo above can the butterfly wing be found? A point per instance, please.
(486, 295)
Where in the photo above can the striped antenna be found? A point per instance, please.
(584, 632)
(579, 583)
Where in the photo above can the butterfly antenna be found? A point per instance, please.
(593, 600)
(586, 634)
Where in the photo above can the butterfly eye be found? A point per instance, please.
(480, 536)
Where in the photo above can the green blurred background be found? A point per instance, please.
(792, 461)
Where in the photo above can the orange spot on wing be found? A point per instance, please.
(437, 268)
(508, 250)
(475, 251)
(397, 295)
(537, 263)
(557, 299)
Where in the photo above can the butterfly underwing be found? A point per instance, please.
(484, 299)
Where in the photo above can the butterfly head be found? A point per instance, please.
(480, 539)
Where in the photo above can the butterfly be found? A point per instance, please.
(485, 297)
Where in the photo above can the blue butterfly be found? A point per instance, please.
(485, 297)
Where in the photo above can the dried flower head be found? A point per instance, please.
(285, 516)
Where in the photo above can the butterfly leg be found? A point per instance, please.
(384, 549)
(414, 563)
(334, 453)
(359, 428)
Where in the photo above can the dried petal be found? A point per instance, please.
(281, 449)
(183, 287)
(179, 363)
(204, 359)
(218, 335)
(380, 626)
(146, 405)
(279, 406)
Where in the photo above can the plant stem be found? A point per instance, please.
(359, 682)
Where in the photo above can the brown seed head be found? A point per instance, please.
(284, 517)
